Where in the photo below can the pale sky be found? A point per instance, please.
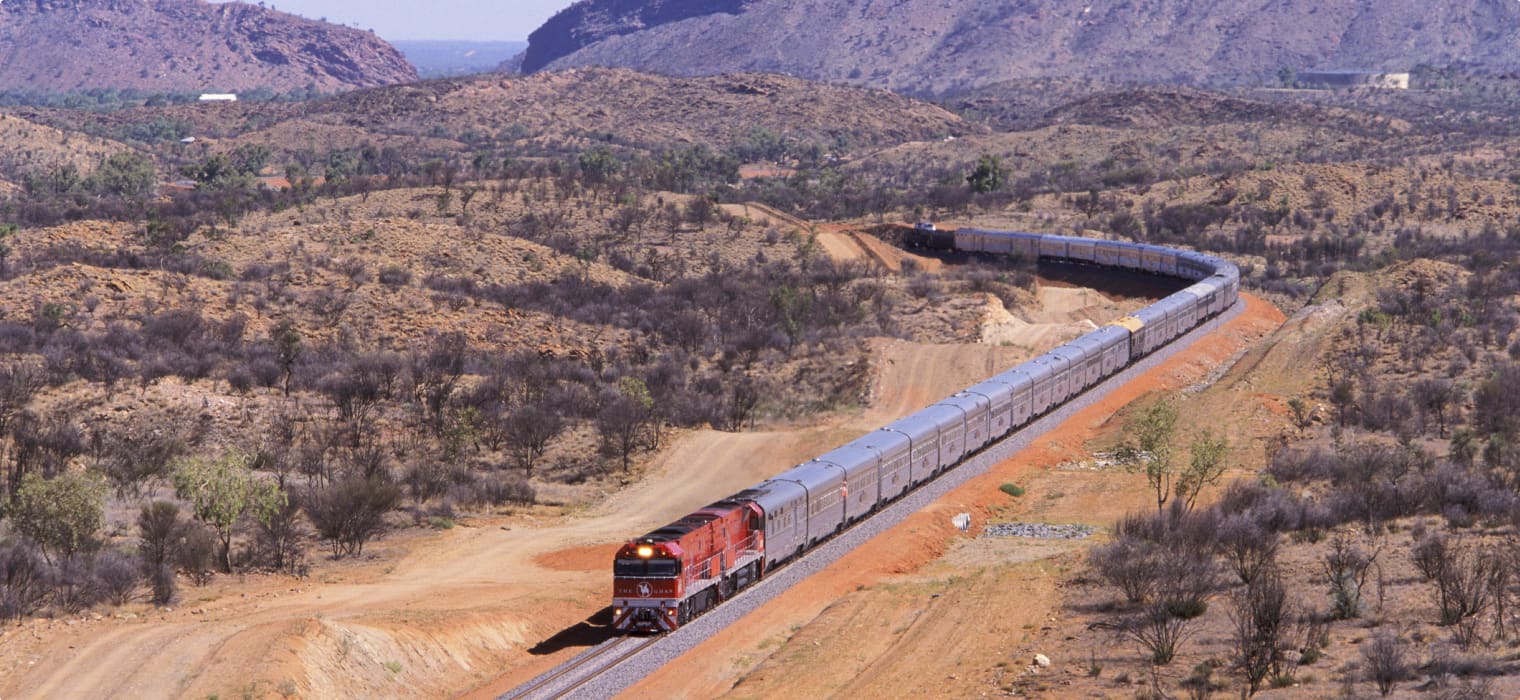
(482, 20)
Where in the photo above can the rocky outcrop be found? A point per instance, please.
(184, 45)
(941, 46)
(590, 21)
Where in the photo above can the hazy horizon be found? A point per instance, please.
(458, 20)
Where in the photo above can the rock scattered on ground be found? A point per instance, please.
(1038, 530)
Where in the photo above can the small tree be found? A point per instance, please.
(117, 574)
(1346, 567)
(195, 552)
(348, 513)
(159, 532)
(141, 452)
(24, 581)
(287, 340)
(158, 527)
(1302, 415)
(1149, 448)
(128, 174)
(220, 491)
(280, 534)
(1434, 395)
(61, 514)
(988, 176)
(1464, 447)
(1205, 465)
(626, 420)
(1431, 554)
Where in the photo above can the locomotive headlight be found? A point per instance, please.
(646, 551)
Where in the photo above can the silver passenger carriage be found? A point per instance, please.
(862, 477)
(824, 484)
(976, 411)
(923, 434)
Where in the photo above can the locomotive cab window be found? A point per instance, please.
(628, 567)
(664, 567)
(645, 567)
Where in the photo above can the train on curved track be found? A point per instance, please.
(671, 575)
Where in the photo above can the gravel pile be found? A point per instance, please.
(672, 645)
(1038, 531)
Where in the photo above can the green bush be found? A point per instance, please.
(1186, 609)
(1012, 489)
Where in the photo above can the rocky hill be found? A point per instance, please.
(547, 114)
(940, 46)
(184, 45)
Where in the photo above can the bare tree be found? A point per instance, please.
(1247, 547)
(1130, 565)
(1387, 661)
(620, 423)
(1156, 630)
(1463, 591)
(280, 535)
(1431, 554)
(1434, 395)
(529, 430)
(1346, 568)
(436, 372)
(1260, 612)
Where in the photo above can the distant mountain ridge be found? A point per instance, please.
(941, 46)
(184, 45)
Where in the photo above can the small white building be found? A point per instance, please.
(218, 97)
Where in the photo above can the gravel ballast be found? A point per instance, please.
(1038, 531)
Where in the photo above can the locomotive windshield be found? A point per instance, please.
(645, 567)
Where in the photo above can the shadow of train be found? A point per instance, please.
(587, 633)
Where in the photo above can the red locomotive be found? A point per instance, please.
(671, 575)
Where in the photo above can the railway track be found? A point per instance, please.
(563, 680)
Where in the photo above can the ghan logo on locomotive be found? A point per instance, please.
(693, 564)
